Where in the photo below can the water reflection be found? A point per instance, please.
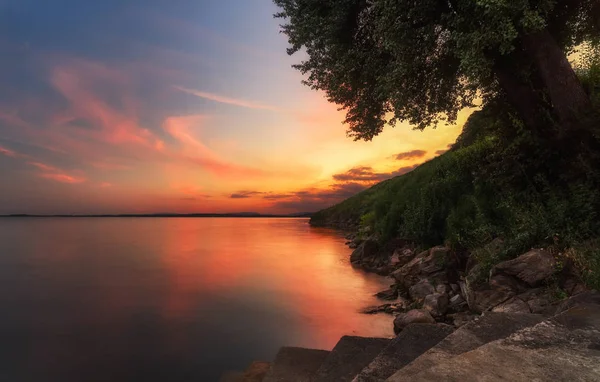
(171, 299)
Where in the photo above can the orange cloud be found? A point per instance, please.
(225, 100)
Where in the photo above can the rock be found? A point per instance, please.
(456, 301)
(532, 267)
(368, 248)
(415, 316)
(431, 264)
(420, 290)
(352, 245)
(586, 298)
(435, 261)
(455, 288)
(389, 294)
(443, 289)
(376, 309)
(506, 283)
(402, 257)
(484, 300)
(461, 318)
(538, 300)
(436, 304)
(514, 305)
(564, 348)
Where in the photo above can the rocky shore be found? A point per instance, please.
(440, 285)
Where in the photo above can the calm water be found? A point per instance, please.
(171, 299)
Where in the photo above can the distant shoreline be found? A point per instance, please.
(166, 215)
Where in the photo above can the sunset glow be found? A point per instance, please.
(112, 108)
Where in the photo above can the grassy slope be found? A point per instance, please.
(497, 181)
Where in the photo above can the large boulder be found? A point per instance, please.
(436, 304)
(532, 267)
(368, 248)
(415, 316)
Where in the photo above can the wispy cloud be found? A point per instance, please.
(56, 174)
(7, 152)
(225, 100)
(413, 154)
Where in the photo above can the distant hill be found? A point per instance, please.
(168, 215)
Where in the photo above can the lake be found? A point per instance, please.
(172, 299)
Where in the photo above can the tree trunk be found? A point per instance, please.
(569, 101)
(521, 89)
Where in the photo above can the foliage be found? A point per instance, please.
(385, 61)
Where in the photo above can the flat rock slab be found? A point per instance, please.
(413, 341)
(294, 364)
(564, 348)
(349, 357)
(487, 328)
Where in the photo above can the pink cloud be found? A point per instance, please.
(56, 174)
(225, 100)
(63, 178)
(193, 150)
(7, 152)
(105, 185)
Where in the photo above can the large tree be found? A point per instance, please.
(422, 61)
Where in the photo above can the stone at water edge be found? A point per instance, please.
(388, 294)
(532, 267)
(436, 304)
(415, 316)
(402, 257)
(366, 249)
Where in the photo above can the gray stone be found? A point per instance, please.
(586, 298)
(349, 357)
(563, 348)
(420, 290)
(532, 267)
(462, 318)
(443, 289)
(484, 300)
(436, 304)
(294, 364)
(401, 257)
(487, 328)
(415, 316)
(456, 300)
(514, 305)
(406, 347)
(455, 288)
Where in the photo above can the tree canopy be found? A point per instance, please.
(385, 61)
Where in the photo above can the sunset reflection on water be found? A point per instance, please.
(178, 298)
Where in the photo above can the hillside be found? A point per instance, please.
(498, 181)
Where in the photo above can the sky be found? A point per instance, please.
(180, 106)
